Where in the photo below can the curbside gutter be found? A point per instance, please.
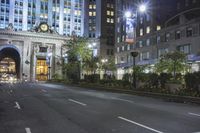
(166, 97)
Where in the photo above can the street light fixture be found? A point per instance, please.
(134, 54)
(142, 8)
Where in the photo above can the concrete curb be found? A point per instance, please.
(167, 97)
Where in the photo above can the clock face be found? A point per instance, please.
(44, 27)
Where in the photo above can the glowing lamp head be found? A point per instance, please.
(128, 14)
(142, 8)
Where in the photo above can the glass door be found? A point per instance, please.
(41, 70)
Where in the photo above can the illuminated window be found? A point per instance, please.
(148, 30)
(108, 20)
(94, 13)
(90, 13)
(90, 6)
(158, 27)
(141, 32)
(112, 13)
(108, 12)
(111, 20)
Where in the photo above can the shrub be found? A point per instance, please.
(192, 81)
(153, 80)
(94, 78)
(163, 78)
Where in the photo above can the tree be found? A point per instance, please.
(172, 62)
(108, 65)
(78, 52)
(91, 65)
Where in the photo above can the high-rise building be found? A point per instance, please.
(64, 16)
(168, 25)
(100, 24)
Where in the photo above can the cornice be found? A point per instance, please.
(34, 35)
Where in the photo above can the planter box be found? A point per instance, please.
(173, 87)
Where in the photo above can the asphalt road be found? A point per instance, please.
(48, 108)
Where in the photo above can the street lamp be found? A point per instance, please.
(142, 8)
(133, 16)
(134, 54)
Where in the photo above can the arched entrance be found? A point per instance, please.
(10, 61)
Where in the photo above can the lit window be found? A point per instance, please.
(148, 30)
(90, 13)
(108, 12)
(94, 13)
(108, 20)
(158, 27)
(112, 13)
(112, 21)
(141, 32)
(90, 6)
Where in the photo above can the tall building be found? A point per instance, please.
(166, 26)
(32, 34)
(64, 16)
(100, 24)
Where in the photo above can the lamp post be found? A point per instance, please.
(142, 8)
(134, 54)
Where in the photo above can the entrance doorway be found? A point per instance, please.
(42, 70)
(9, 63)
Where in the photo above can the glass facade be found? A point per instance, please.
(64, 16)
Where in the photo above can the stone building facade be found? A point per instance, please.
(38, 56)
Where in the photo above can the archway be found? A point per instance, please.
(10, 61)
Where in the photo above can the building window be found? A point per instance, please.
(148, 42)
(118, 49)
(162, 51)
(140, 44)
(189, 32)
(178, 35)
(108, 13)
(167, 36)
(185, 48)
(141, 32)
(158, 39)
(144, 56)
(148, 30)
(90, 13)
(158, 27)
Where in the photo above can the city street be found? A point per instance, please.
(49, 108)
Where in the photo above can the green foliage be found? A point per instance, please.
(78, 52)
(164, 78)
(192, 81)
(78, 49)
(72, 70)
(173, 62)
(153, 80)
(109, 65)
(91, 65)
(94, 78)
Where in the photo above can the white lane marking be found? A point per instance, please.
(28, 130)
(127, 120)
(196, 132)
(83, 104)
(17, 105)
(124, 100)
(44, 90)
(194, 114)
